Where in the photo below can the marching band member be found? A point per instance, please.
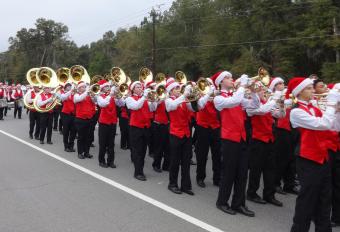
(46, 118)
(180, 137)
(3, 101)
(151, 85)
(233, 142)
(85, 111)
(139, 126)
(67, 117)
(107, 123)
(262, 158)
(208, 135)
(17, 96)
(34, 116)
(313, 167)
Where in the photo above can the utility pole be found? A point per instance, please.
(336, 33)
(153, 66)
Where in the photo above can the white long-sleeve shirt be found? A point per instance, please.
(269, 106)
(103, 102)
(236, 99)
(40, 102)
(132, 104)
(172, 104)
(328, 121)
(29, 99)
(81, 97)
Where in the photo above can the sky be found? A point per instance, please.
(87, 20)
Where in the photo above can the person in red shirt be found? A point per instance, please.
(262, 158)
(17, 96)
(85, 110)
(67, 116)
(208, 136)
(46, 118)
(233, 142)
(313, 167)
(34, 116)
(3, 101)
(107, 123)
(140, 124)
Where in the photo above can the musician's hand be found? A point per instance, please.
(211, 90)
(333, 96)
(277, 95)
(146, 92)
(187, 90)
(244, 80)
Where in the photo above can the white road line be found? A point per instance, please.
(128, 190)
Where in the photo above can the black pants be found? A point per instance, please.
(106, 136)
(124, 132)
(180, 154)
(261, 161)
(208, 138)
(161, 146)
(5, 110)
(56, 114)
(34, 118)
(285, 159)
(17, 109)
(2, 112)
(69, 130)
(93, 123)
(83, 130)
(151, 147)
(315, 197)
(139, 140)
(234, 173)
(335, 167)
(46, 120)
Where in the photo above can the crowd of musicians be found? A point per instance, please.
(288, 133)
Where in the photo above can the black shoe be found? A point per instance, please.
(245, 211)
(112, 165)
(55, 129)
(156, 169)
(216, 183)
(61, 132)
(256, 199)
(81, 156)
(42, 142)
(67, 150)
(279, 190)
(226, 209)
(124, 148)
(140, 177)
(294, 190)
(201, 183)
(92, 145)
(103, 165)
(71, 149)
(36, 138)
(192, 162)
(151, 155)
(165, 169)
(49, 142)
(274, 201)
(175, 189)
(335, 224)
(89, 156)
(188, 191)
(31, 136)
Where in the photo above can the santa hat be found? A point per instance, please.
(210, 81)
(103, 83)
(274, 81)
(133, 84)
(81, 84)
(67, 83)
(217, 78)
(171, 84)
(296, 85)
(150, 84)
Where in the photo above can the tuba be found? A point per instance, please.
(31, 78)
(78, 73)
(145, 75)
(63, 75)
(180, 77)
(118, 76)
(203, 85)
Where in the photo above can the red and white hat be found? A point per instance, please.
(81, 84)
(150, 84)
(133, 84)
(103, 83)
(297, 84)
(210, 81)
(171, 84)
(218, 77)
(274, 81)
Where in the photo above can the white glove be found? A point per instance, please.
(113, 90)
(288, 102)
(244, 80)
(333, 96)
(187, 90)
(50, 100)
(146, 92)
(277, 95)
(87, 88)
(211, 90)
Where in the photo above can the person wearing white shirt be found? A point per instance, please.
(46, 118)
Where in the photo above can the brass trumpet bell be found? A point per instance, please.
(203, 85)
(160, 78)
(118, 76)
(78, 73)
(94, 89)
(63, 75)
(47, 77)
(31, 77)
(180, 77)
(145, 75)
(262, 76)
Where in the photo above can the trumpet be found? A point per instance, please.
(94, 89)
(158, 94)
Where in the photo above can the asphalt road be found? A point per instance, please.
(43, 188)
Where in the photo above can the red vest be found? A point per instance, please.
(140, 118)
(161, 115)
(85, 109)
(179, 121)
(284, 123)
(332, 140)
(18, 94)
(312, 142)
(69, 106)
(108, 114)
(33, 97)
(44, 98)
(2, 93)
(124, 113)
(207, 117)
(232, 123)
(262, 126)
